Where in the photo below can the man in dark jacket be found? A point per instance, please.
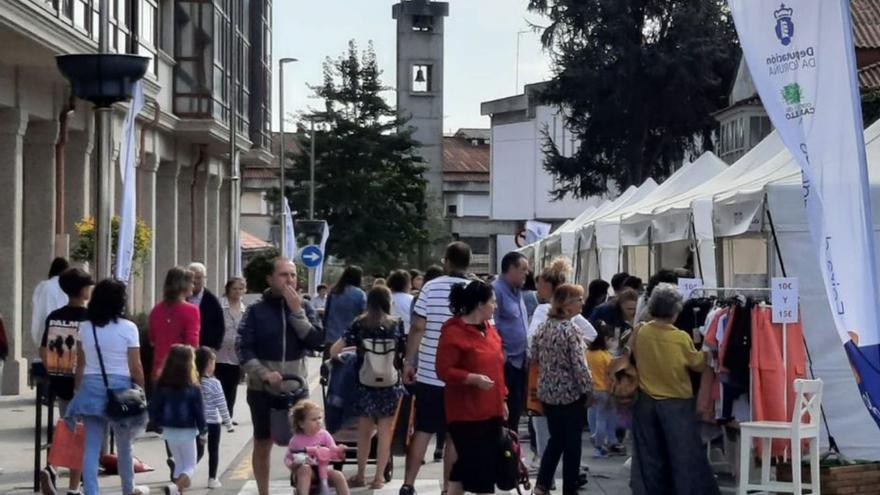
(272, 341)
(211, 312)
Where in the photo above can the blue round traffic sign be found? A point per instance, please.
(311, 256)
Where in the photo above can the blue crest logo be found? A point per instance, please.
(784, 25)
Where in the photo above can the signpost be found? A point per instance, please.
(311, 256)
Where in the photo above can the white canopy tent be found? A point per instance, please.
(734, 204)
(610, 234)
(671, 221)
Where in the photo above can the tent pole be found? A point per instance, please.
(696, 247)
(577, 260)
(832, 443)
(650, 252)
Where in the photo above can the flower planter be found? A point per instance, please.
(841, 479)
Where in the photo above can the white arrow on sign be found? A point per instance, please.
(312, 256)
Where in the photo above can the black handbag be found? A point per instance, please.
(124, 402)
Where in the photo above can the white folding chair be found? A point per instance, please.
(808, 402)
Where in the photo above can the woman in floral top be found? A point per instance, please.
(564, 382)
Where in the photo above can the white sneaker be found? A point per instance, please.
(171, 489)
(142, 490)
(214, 483)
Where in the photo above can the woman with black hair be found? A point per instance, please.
(470, 361)
(118, 342)
(597, 294)
(345, 302)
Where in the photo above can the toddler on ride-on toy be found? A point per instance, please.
(311, 451)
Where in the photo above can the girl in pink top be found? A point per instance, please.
(173, 321)
(307, 420)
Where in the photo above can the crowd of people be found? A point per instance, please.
(478, 357)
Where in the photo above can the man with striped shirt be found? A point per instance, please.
(430, 313)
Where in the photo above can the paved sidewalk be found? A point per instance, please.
(607, 476)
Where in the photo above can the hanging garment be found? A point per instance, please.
(769, 378)
(739, 345)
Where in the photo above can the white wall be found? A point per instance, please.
(252, 203)
(503, 245)
(474, 205)
(520, 187)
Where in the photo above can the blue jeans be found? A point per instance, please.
(124, 432)
(603, 420)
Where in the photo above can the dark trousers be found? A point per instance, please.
(516, 381)
(213, 449)
(566, 425)
(229, 376)
(668, 457)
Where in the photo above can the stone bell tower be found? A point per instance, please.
(420, 84)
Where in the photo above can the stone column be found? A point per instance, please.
(77, 180)
(167, 214)
(201, 224)
(39, 212)
(216, 268)
(146, 211)
(184, 223)
(13, 123)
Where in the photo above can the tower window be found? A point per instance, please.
(423, 23)
(421, 78)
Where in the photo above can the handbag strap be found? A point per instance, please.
(100, 357)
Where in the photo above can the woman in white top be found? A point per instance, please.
(401, 299)
(228, 368)
(119, 344)
(558, 273)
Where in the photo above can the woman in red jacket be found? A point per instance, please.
(470, 362)
(173, 320)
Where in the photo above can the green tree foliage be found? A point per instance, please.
(368, 175)
(639, 80)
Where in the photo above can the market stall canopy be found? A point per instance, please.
(687, 178)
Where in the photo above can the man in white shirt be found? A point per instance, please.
(319, 302)
(47, 297)
(430, 313)
(401, 299)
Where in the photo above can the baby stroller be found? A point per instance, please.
(338, 384)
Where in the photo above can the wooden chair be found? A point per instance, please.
(808, 402)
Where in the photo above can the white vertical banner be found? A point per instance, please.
(127, 160)
(801, 56)
(319, 270)
(289, 235)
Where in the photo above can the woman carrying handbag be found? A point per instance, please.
(109, 385)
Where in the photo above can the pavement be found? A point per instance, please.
(607, 476)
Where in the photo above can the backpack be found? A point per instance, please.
(379, 354)
(510, 472)
(623, 377)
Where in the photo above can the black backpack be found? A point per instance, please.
(511, 473)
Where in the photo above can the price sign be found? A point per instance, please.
(686, 286)
(785, 300)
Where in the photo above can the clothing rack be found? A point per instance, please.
(784, 339)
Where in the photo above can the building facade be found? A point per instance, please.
(184, 177)
(520, 186)
(466, 193)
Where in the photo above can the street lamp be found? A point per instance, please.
(281, 144)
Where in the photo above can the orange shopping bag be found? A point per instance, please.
(67, 446)
(534, 405)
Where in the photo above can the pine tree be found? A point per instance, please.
(368, 174)
(639, 81)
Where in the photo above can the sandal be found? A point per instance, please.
(377, 485)
(356, 482)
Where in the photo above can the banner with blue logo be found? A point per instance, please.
(801, 57)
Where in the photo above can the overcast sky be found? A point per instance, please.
(480, 49)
